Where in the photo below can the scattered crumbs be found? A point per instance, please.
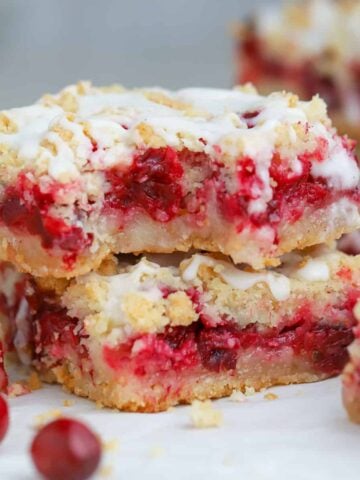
(34, 382)
(46, 417)
(111, 445)
(156, 452)
(271, 396)
(237, 397)
(105, 471)
(99, 405)
(249, 391)
(204, 415)
(17, 389)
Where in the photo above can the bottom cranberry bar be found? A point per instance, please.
(142, 335)
(351, 376)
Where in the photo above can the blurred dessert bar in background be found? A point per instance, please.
(308, 47)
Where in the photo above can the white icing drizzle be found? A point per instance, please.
(314, 270)
(278, 284)
(140, 279)
(214, 125)
(340, 173)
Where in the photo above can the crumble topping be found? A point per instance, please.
(146, 297)
(98, 129)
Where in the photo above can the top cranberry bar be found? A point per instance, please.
(91, 171)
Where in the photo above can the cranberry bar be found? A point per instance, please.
(94, 171)
(13, 309)
(323, 38)
(143, 334)
(351, 376)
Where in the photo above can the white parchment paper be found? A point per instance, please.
(303, 434)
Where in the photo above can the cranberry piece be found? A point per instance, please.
(152, 184)
(250, 118)
(4, 417)
(66, 449)
(26, 208)
(219, 347)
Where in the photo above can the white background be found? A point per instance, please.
(303, 435)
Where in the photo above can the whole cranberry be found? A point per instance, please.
(4, 417)
(66, 449)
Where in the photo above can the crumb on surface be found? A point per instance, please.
(271, 396)
(249, 391)
(68, 402)
(237, 397)
(111, 445)
(204, 415)
(46, 417)
(105, 471)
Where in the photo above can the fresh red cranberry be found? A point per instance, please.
(4, 417)
(151, 184)
(66, 449)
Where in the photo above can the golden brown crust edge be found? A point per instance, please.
(113, 396)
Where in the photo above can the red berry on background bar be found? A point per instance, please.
(66, 449)
(4, 417)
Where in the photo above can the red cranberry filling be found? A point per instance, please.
(25, 208)
(218, 348)
(3, 374)
(151, 184)
(292, 192)
(56, 334)
(4, 417)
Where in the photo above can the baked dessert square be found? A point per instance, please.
(143, 334)
(13, 309)
(96, 171)
(323, 38)
(351, 375)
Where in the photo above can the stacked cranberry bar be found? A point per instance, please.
(143, 336)
(351, 375)
(89, 172)
(101, 189)
(308, 47)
